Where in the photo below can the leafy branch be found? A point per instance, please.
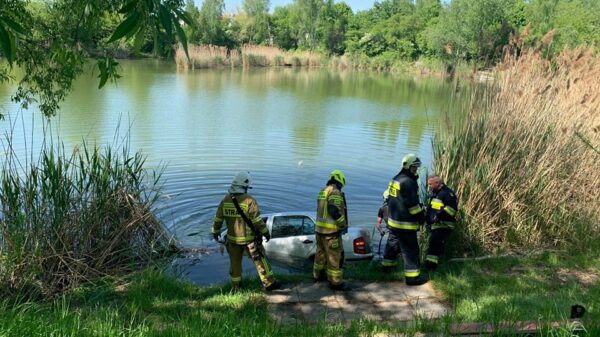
(50, 46)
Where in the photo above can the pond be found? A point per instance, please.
(289, 127)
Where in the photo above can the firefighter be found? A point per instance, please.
(405, 217)
(332, 222)
(245, 230)
(441, 216)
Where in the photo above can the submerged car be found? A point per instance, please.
(293, 239)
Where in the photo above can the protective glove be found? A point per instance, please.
(267, 236)
(216, 237)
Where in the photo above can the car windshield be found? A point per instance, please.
(292, 225)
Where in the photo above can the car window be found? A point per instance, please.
(292, 225)
(308, 226)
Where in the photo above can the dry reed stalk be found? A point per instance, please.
(526, 179)
(260, 56)
(206, 56)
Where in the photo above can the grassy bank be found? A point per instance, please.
(524, 176)
(66, 218)
(538, 288)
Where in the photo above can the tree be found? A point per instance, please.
(193, 13)
(210, 23)
(358, 27)
(309, 15)
(385, 9)
(284, 33)
(427, 15)
(49, 43)
(257, 27)
(474, 30)
(333, 27)
(575, 22)
(389, 28)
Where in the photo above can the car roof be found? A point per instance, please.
(305, 213)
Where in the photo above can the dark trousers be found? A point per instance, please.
(437, 240)
(405, 241)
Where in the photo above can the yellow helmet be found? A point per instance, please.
(409, 160)
(338, 176)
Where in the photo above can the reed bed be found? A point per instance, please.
(260, 56)
(68, 218)
(209, 56)
(524, 161)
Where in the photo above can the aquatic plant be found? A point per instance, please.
(69, 217)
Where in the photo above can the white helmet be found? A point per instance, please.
(409, 160)
(241, 182)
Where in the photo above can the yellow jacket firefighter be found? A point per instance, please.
(237, 230)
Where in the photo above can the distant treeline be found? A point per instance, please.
(472, 30)
(408, 30)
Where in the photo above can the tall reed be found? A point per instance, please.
(209, 56)
(66, 218)
(206, 56)
(517, 161)
(260, 56)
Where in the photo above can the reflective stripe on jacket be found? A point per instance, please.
(330, 196)
(405, 211)
(442, 209)
(237, 230)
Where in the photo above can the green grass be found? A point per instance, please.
(517, 289)
(151, 304)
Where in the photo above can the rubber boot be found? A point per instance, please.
(430, 266)
(341, 287)
(274, 286)
(415, 281)
(321, 278)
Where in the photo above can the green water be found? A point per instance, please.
(288, 127)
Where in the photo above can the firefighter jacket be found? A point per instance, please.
(405, 211)
(442, 208)
(331, 211)
(237, 230)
